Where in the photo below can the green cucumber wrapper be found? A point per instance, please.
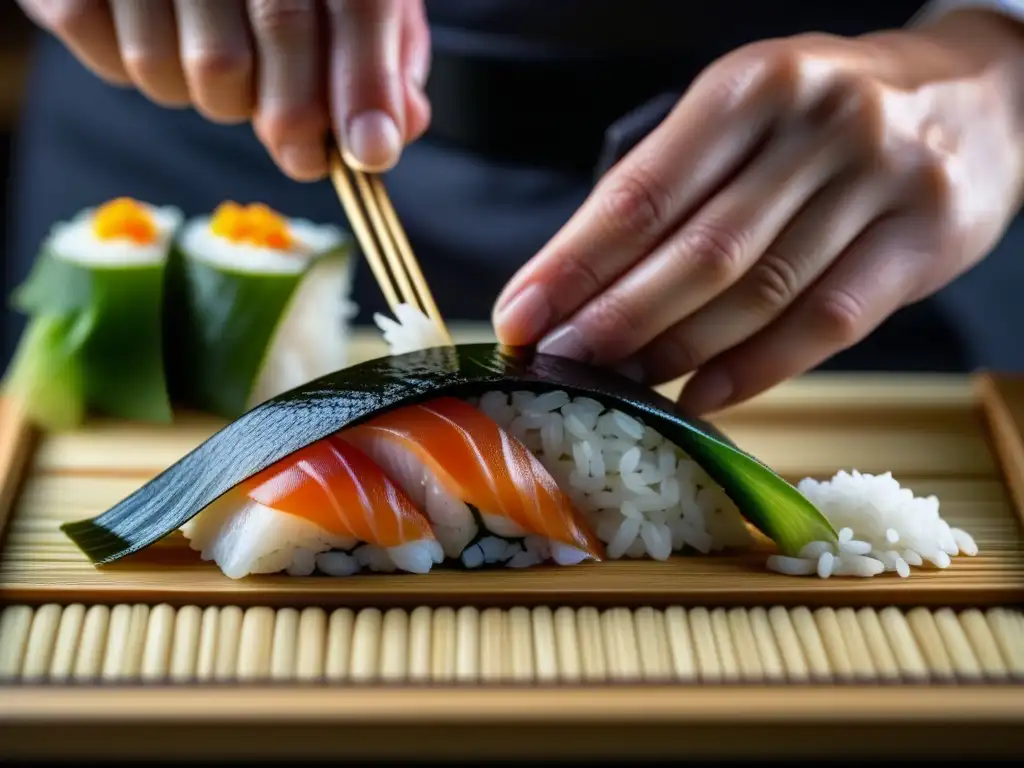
(101, 325)
(220, 325)
(45, 374)
(284, 424)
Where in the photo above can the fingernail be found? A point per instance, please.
(567, 341)
(524, 317)
(372, 141)
(706, 391)
(632, 369)
(304, 161)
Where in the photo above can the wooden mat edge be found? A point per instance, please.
(981, 702)
(441, 722)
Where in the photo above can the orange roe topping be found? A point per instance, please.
(256, 224)
(127, 219)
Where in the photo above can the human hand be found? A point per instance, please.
(296, 68)
(801, 191)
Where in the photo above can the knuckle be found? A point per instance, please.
(581, 275)
(67, 19)
(157, 75)
(719, 250)
(282, 21)
(283, 124)
(932, 175)
(680, 353)
(143, 63)
(216, 65)
(853, 108)
(614, 320)
(766, 65)
(637, 202)
(775, 282)
(839, 317)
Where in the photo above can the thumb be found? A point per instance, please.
(366, 84)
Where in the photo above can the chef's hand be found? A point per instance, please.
(296, 68)
(801, 191)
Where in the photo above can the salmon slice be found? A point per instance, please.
(337, 487)
(326, 496)
(454, 461)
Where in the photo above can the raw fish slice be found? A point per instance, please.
(455, 461)
(326, 496)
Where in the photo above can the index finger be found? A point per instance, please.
(698, 147)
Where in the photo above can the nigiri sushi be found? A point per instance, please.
(487, 496)
(326, 507)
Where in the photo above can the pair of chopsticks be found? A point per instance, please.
(383, 240)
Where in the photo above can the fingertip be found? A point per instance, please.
(524, 317)
(371, 141)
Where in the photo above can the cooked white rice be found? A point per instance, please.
(643, 496)
(75, 241)
(883, 528)
(312, 338)
(253, 538)
(199, 242)
(410, 331)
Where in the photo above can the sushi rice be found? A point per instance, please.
(78, 242)
(233, 538)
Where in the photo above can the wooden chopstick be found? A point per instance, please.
(383, 240)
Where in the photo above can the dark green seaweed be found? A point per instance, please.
(295, 419)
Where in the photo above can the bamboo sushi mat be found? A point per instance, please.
(718, 647)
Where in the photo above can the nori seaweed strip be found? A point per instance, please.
(283, 425)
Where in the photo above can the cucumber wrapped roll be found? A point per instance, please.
(94, 298)
(260, 305)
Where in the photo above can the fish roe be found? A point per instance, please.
(255, 224)
(125, 219)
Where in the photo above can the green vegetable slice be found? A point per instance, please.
(93, 343)
(221, 326)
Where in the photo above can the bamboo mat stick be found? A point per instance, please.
(617, 645)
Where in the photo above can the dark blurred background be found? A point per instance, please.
(16, 36)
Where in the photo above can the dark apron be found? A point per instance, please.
(476, 201)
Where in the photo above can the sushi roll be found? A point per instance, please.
(94, 300)
(260, 304)
(488, 498)
(326, 507)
